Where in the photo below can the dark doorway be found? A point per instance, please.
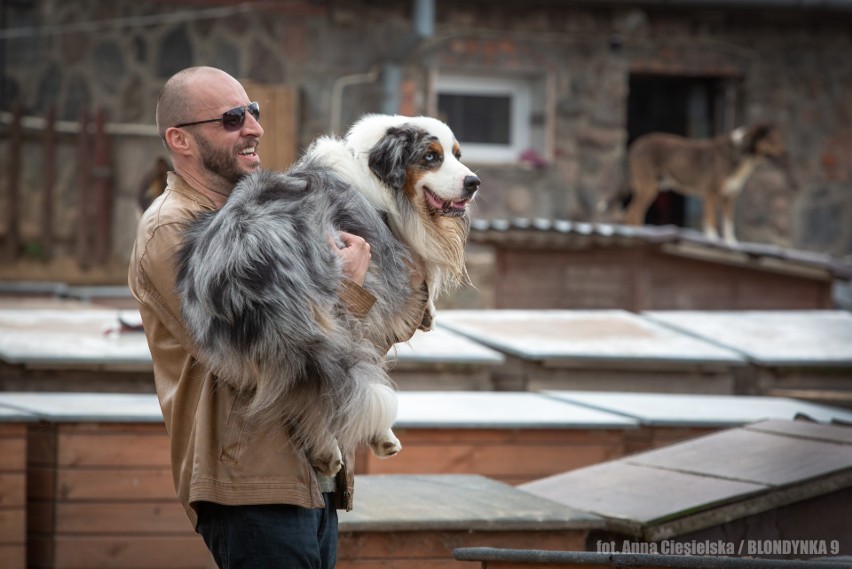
(698, 107)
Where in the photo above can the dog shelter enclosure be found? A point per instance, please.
(569, 84)
(563, 82)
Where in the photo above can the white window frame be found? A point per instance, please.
(519, 92)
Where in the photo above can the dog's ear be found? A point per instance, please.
(390, 157)
(758, 132)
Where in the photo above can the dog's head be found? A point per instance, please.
(765, 140)
(419, 159)
(423, 187)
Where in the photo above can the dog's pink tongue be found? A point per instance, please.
(433, 199)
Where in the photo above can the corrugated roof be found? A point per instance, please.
(576, 234)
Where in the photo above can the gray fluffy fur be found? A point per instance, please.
(260, 290)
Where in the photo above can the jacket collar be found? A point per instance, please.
(177, 184)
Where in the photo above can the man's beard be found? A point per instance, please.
(220, 161)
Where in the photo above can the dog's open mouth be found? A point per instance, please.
(447, 208)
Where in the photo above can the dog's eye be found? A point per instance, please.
(431, 157)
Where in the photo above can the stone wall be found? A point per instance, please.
(793, 69)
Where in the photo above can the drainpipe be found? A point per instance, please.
(337, 94)
(423, 27)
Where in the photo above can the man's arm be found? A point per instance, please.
(355, 256)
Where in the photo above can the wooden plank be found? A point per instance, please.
(776, 460)
(41, 483)
(448, 502)
(601, 565)
(821, 338)
(161, 517)
(517, 461)
(500, 411)
(153, 429)
(41, 445)
(648, 438)
(13, 556)
(115, 484)
(40, 518)
(13, 453)
(829, 433)
(13, 489)
(40, 552)
(599, 279)
(130, 552)
(429, 380)
(117, 449)
(594, 336)
(13, 430)
(679, 410)
(279, 118)
(817, 384)
(438, 545)
(617, 378)
(403, 564)
(509, 436)
(609, 490)
(13, 524)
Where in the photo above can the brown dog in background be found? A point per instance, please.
(714, 169)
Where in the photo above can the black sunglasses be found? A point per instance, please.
(232, 119)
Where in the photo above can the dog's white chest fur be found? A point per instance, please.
(734, 183)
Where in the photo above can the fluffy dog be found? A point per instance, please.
(715, 169)
(260, 283)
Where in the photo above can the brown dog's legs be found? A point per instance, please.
(709, 206)
(728, 201)
(645, 190)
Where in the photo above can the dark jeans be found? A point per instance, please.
(270, 536)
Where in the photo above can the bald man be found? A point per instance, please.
(253, 497)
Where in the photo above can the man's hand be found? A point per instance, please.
(355, 255)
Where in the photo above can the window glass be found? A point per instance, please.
(478, 118)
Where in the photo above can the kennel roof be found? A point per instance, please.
(548, 233)
(708, 481)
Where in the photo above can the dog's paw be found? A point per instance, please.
(328, 461)
(386, 445)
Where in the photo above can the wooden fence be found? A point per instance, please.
(97, 172)
(94, 185)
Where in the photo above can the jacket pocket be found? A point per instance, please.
(235, 425)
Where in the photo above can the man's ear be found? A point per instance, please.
(177, 140)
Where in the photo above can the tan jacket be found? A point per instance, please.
(215, 455)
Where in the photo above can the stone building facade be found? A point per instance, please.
(595, 74)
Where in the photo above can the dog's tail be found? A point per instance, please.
(258, 282)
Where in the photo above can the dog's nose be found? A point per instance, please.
(471, 184)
